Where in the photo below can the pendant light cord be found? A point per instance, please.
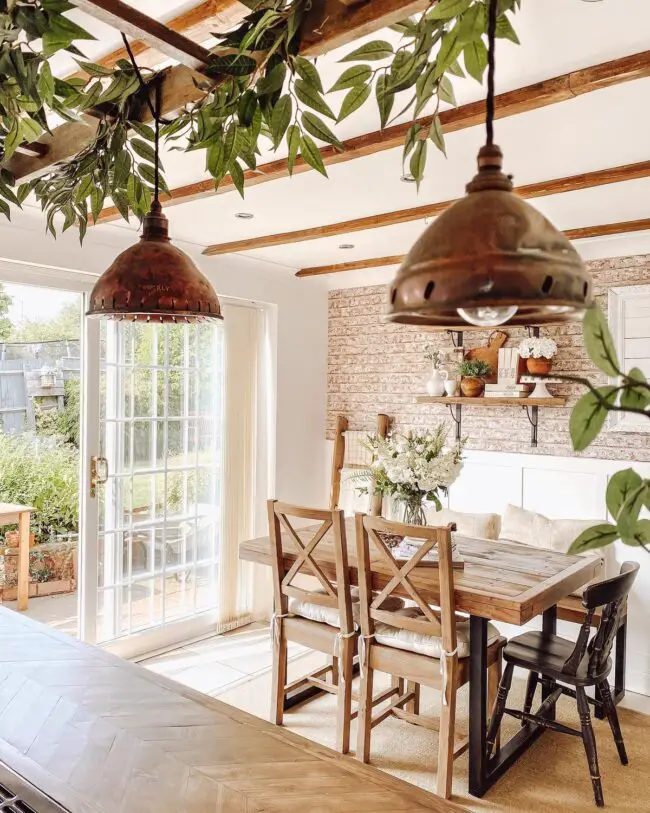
(156, 169)
(155, 115)
(489, 102)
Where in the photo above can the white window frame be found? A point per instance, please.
(616, 299)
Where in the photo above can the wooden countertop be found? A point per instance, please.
(501, 581)
(101, 735)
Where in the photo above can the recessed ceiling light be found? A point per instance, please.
(408, 178)
(346, 245)
(245, 215)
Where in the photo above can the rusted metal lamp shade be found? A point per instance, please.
(490, 250)
(154, 281)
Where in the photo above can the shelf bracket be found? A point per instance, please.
(456, 337)
(456, 415)
(534, 421)
(532, 331)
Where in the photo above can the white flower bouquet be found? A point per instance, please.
(413, 468)
(537, 347)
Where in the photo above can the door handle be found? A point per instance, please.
(98, 473)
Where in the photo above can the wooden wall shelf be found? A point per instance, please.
(492, 402)
(455, 403)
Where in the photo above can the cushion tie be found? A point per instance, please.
(275, 626)
(363, 652)
(337, 651)
(443, 671)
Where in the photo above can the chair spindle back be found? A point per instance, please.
(611, 595)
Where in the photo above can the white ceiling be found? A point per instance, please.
(593, 131)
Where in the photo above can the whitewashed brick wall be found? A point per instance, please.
(378, 367)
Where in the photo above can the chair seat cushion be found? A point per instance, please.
(422, 644)
(330, 615)
(547, 653)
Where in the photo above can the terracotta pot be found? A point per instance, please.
(12, 539)
(471, 386)
(539, 366)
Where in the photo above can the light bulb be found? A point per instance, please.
(487, 316)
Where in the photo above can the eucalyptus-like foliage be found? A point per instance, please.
(263, 92)
(628, 492)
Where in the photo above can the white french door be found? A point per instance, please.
(153, 411)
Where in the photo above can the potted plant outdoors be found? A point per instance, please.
(412, 469)
(473, 374)
(436, 382)
(538, 352)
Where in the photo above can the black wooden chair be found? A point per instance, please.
(581, 664)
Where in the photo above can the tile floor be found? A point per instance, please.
(220, 662)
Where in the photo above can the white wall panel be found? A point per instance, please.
(564, 494)
(486, 487)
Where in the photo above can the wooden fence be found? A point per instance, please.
(23, 385)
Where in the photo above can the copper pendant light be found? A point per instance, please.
(491, 257)
(154, 281)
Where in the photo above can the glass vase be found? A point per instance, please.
(413, 512)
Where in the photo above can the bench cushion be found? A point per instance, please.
(531, 528)
(484, 526)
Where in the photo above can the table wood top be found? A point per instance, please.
(100, 735)
(502, 581)
(11, 509)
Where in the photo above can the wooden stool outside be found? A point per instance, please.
(11, 514)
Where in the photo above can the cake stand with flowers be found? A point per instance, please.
(539, 353)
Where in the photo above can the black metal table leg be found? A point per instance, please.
(477, 705)
(298, 696)
(549, 626)
(484, 772)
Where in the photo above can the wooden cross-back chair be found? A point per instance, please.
(419, 644)
(343, 440)
(555, 661)
(318, 616)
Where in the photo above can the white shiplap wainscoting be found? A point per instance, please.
(559, 488)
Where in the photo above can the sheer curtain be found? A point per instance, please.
(243, 348)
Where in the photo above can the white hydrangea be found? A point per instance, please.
(537, 347)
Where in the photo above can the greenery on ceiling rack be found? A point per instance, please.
(266, 91)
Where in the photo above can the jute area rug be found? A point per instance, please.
(552, 777)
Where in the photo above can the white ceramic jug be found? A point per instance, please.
(436, 383)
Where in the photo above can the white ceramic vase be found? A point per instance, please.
(436, 383)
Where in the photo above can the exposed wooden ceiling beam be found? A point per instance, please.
(178, 88)
(198, 24)
(572, 183)
(353, 23)
(330, 25)
(353, 265)
(583, 233)
(139, 26)
(531, 97)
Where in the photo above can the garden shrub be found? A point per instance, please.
(43, 473)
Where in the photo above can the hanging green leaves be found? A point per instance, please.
(267, 93)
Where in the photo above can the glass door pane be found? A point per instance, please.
(160, 507)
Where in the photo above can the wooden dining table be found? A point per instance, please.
(500, 581)
(83, 731)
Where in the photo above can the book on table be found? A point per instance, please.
(410, 545)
